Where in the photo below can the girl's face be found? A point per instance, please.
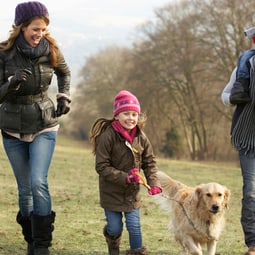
(128, 119)
(35, 31)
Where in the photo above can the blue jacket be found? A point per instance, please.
(243, 65)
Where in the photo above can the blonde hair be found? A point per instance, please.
(102, 124)
(16, 30)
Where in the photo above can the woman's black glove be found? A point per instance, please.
(62, 106)
(19, 76)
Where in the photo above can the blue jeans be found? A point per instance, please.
(247, 162)
(115, 226)
(30, 162)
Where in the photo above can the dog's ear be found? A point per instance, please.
(198, 193)
(227, 194)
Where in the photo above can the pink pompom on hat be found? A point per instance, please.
(125, 101)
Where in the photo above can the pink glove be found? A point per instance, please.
(132, 177)
(154, 190)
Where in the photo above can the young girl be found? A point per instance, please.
(121, 150)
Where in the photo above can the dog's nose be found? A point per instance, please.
(215, 208)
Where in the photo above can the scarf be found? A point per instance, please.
(42, 49)
(243, 134)
(119, 128)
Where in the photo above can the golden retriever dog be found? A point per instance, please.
(197, 213)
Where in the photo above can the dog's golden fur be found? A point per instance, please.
(197, 216)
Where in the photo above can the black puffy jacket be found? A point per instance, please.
(29, 109)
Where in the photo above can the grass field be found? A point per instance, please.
(80, 219)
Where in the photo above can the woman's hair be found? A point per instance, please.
(102, 124)
(16, 30)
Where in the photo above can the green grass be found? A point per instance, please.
(80, 219)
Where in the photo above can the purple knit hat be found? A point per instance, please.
(27, 10)
(125, 101)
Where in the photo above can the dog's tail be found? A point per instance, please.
(169, 186)
(169, 189)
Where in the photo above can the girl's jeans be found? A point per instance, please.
(115, 226)
(30, 162)
(247, 162)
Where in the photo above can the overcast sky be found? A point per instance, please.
(82, 27)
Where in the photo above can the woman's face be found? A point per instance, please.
(35, 31)
(128, 119)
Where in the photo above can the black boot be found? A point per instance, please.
(25, 223)
(42, 228)
(113, 243)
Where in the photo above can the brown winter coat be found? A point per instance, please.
(113, 161)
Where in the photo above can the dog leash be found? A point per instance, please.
(143, 180)
(209, 238)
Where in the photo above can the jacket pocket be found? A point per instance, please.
(47, 112)
(10, 117)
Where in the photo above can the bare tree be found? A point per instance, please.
(177, 67)
(103, 75)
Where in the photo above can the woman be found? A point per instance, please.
(28, 118)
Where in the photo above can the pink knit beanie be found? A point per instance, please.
(125, 101)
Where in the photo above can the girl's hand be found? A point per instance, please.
(132, 176)
(154, 190)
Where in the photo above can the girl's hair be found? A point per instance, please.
(102, 124)
(16, 30)
(97, 129)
